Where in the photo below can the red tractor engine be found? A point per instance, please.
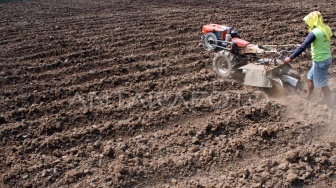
(261, 65)
(220, 31)
(218, 37)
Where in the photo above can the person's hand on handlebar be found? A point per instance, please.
(287, 60)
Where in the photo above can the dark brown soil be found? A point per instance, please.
(121, 94)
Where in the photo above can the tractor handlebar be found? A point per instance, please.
(279, 51)
(275, 49)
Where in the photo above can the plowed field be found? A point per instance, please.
(121, 93)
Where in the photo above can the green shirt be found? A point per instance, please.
(320, 48)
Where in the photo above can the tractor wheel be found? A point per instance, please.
(287, 88)
(210, 42)
(223, 63)
(290, 71)
(293, 73)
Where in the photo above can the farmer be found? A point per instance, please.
(319, 39)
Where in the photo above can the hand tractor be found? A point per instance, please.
(261, 65)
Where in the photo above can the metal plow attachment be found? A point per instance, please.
(256, 75)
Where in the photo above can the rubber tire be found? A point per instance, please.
(290, 71)
(293, 73)
(207, 45)
(222, 63)
(287, 88)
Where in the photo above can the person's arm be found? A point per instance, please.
(307, 42)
